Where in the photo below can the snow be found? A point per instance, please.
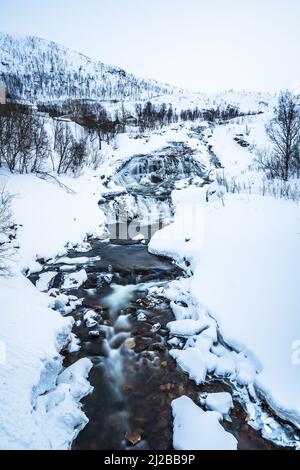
(32, 336)
(73, 261)
(59, 409)
(192, 362)
(254, 266)
(44, 280)
(75, 280)
(221, 402)
(195, 429)
(243, 251)
(186, 327)
(90, 318)
(50, 217)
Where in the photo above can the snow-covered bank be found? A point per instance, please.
(37, 411)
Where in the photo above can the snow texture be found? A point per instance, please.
(195, 429)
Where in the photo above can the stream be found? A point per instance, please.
(122, 320)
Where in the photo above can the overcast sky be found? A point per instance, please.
(204, 45)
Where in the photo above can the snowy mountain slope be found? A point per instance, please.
(37, 71)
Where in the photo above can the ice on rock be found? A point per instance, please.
(67, 267)
(74, 344)
(174, 342)
(76, 377)
(94, 333)
(195, 429)
(75, 280)
(44, 281)
(183, 313)
(186, 327)
(192, 362)
(221, 402)
(90, 318)
(61, 301)
(156, 327)
(139, 237)
(142, 316)
(103, 279)
(73, 261)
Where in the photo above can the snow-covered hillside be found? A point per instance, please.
(38, 71)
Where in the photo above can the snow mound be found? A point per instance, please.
(186, 327)
(195, 429)
(75, 280)
(221, 402)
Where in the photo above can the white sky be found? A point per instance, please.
(204, 45)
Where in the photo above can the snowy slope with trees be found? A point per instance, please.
(38, 71)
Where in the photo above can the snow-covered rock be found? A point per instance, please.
(44, 280)
(186, 327)
(221, 402)
(75, 280)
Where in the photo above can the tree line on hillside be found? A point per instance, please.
(35, 70)
(26, 142)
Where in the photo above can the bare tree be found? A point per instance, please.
(76, 156)
(63, 143)
(40, 145)
(24, 143)
(284, 132)
(5, 229)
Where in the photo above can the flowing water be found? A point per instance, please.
(134, 378)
